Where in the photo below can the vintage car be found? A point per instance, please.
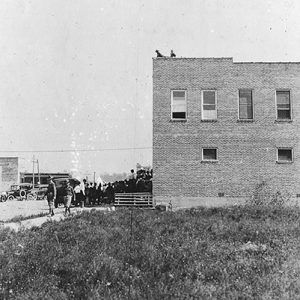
(60, 183)
(38, 192)
(26, 191)
(20, 191)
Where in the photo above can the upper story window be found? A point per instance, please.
(245, 105)
(283, 103)
(178, 104)
(209, 105)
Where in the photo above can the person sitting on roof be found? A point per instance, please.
(158, 54)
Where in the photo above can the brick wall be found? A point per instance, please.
(9, 172)
(247, 151)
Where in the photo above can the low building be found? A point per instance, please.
(40, 177)
(9, 170)
(221, 128)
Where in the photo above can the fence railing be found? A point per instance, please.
(134, 199)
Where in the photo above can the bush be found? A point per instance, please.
(265, 196)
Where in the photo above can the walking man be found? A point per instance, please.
(68, 194)
(51, 195)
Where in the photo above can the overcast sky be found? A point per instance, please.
(76, 76)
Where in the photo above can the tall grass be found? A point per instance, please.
(196, 253)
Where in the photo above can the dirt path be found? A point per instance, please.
(14, 208)
(38, 221)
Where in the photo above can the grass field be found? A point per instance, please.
(216, 253)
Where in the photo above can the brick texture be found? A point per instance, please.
(247, 151)
(9, 172)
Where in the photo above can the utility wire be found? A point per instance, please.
(75, 150)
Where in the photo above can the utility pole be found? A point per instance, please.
(38, 167)
(33, 161)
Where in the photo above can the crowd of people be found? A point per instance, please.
(91, 193)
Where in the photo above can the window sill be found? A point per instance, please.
(284, 162)
(283, 121)
(209, 161)
(245, 120)
(210, 121)
(178, 120)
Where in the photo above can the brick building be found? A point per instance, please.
(221, 127)
(9, 172)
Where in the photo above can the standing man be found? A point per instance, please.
(131, 181)
(68, 194)
(82, 192)
(77, 195)
(51, 195)
(110, 193)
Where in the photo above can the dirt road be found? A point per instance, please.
(13, 208)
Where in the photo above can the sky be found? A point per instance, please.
(76, 75)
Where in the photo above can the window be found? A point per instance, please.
(245, 105)
(209, 154)
(178, 105)
(283, 105)
(209, 105)
(284, 155)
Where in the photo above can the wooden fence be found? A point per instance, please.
(134, 199)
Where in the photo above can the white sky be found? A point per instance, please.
(77, 75)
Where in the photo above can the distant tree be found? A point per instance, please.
(113, 177)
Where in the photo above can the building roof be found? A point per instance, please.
(225, 58)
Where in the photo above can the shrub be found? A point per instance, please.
(265, 196)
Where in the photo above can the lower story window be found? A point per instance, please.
(209, 154)
(284, 155)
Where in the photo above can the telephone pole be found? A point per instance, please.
(33, 161)
(38, 169)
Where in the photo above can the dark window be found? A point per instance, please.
(209, 154)
(178, 115)
(245, 104)
(285, 155)
(178, 105)
(283, 105)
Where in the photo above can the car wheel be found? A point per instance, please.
(10, 197)
(31, 196)
(22, 193)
